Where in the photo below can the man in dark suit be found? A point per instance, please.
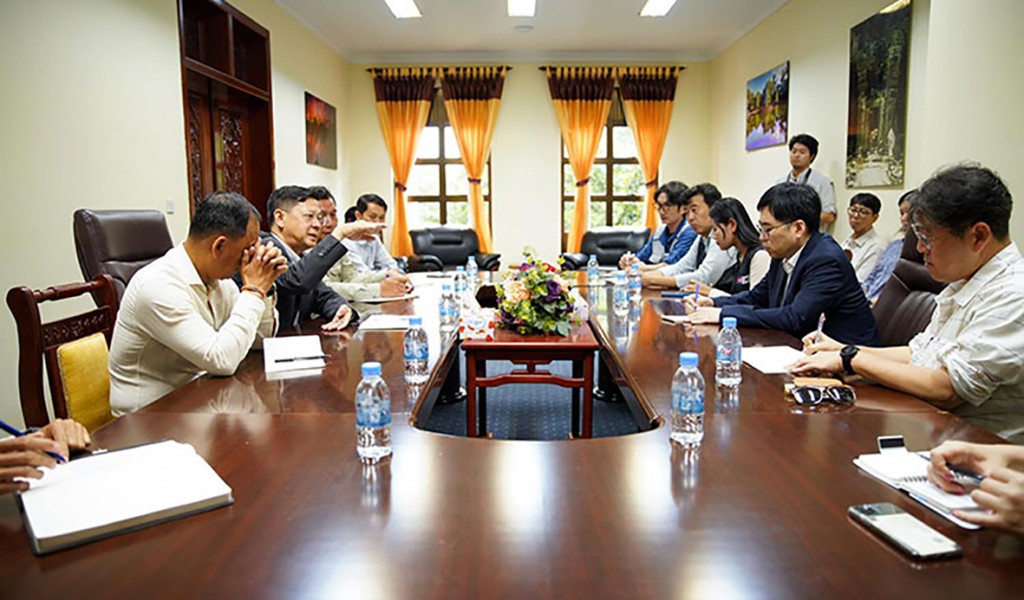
(295, 222)
(809, 276)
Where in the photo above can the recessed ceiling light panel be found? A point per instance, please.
(657, 8)
(522, 8)
(404, 9)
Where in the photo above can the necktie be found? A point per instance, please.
(702, 251)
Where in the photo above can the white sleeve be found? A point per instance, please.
(759, 265)
(174, 321)
(685, 264)
(711, 270)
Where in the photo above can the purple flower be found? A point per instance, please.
(554, 291)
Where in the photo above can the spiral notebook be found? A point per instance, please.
(108, 494)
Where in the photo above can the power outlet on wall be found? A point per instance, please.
(169, 205)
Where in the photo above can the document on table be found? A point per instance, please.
(382, 299)
(771, 359)
(382, 322)
(102, 495)
(908, 471)
(292, 353)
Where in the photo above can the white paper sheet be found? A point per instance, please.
(771, 359)
(292, 353)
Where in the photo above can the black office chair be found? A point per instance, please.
(446, 247)
(119, 242)
(608, 244)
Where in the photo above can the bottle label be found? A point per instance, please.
(416, 352)
(371, 412)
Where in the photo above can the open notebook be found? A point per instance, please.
(908, 471)
(103, 495)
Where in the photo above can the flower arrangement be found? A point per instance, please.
(534, 298)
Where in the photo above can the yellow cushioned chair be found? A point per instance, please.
(74, 349)
(86, 380)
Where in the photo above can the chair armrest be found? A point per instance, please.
(488, 262)
(424, 262)
(574, 261)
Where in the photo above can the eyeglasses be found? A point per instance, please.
(860, 212)
(310, 218)
(921, 236)
(809, 395)
(663, 205)
(766, 232)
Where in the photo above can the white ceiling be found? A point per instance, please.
(363, 31)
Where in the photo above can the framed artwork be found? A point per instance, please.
(876, 135)
(768, 108)
(321, 133)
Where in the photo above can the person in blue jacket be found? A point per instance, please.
(809, 277)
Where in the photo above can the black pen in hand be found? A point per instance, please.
(298, 358)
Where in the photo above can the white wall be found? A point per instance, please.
(964, 78)
(525, 165)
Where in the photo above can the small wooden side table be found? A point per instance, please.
(531, 351)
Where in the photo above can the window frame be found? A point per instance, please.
(616, 118)
(439, 118)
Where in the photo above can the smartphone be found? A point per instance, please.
(909, 535)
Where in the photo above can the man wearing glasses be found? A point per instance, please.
(295, 222)
(865, 245)
(672, 239)
(968, 359)
(809, 276)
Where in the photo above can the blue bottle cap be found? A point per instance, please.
(371, 369)
(593, 257)
(415, 321)
(620, 275)
(471, 258)
(688, 359)
(460, 268)
(634, 268)
(729, 322)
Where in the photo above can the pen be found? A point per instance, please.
(975, 478)
(19, 433)
(821, 323)
(696, 295)
(298, 358)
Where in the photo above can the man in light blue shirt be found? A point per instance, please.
(370, 255)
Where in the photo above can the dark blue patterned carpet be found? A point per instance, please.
(531, 412)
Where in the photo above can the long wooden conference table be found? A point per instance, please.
(759, 511)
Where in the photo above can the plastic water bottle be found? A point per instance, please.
(687, 402)
(472, 271)
(620, 298)
(373, 415)
(634, 284)
(729, 360)
(460, 281)
(416, 352)
(593, 273)
(448, 309)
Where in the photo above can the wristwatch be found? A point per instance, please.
(847, 354)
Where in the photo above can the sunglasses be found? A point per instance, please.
(812, 395)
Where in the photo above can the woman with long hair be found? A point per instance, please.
(734, 229)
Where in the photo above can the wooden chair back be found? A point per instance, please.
(38, 341)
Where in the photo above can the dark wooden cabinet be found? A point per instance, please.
(225, 64)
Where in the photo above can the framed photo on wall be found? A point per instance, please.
(321, 133)
(768, 108)
(876, 135)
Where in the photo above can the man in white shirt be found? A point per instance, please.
(705, 261)
(803, 149)
(370, 254)
(182, 316)
(865, 245)
(968, 359)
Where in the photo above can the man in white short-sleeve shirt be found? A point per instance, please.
(803, 149)
(182, 315)
(968, 359)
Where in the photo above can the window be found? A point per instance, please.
(438, 191)
(621, 202)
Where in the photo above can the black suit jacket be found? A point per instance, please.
(823, 281)
(301, 291)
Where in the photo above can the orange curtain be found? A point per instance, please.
(471, 98)
(582, 97)
(648, 94)
(403, 104)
